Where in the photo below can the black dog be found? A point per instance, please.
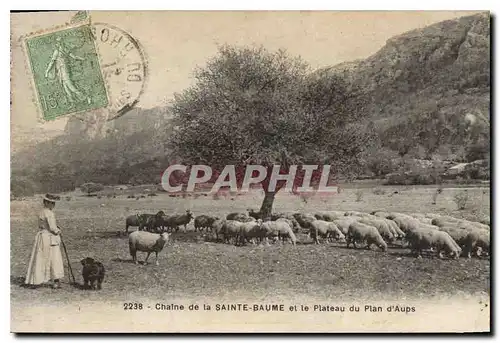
(92, 271)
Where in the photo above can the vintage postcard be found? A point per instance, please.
(250, 171)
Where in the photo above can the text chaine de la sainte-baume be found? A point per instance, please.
(245, 307)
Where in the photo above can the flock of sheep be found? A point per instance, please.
(420, 232)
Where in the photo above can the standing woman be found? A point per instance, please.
(46, 261)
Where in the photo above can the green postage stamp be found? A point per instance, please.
(66, 72)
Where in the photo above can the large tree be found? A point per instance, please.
(252, 106)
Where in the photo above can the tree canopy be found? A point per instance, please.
(252, 106)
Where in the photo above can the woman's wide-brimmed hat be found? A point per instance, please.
(51, 198)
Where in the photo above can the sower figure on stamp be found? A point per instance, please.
(59, 64)
(46, 261)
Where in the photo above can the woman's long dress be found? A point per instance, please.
(46, 261)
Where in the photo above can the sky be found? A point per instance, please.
(177, 42)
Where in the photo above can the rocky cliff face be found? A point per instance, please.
(450, 55)
(426, 83)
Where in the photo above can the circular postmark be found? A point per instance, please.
(124, 69)
(91, 72)
(123, 65)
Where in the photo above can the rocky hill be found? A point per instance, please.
(427, 95)
(423, 86)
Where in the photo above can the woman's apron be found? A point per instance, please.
(46, 261)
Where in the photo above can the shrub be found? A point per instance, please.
(424, 179)
(411, 179)
(378, 191)
(383, 161)
(91, 187)
(359, 195)
(435, 195)
(461, 199)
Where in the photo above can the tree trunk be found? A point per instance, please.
(267, 205)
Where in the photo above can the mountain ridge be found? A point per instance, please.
(421, 89)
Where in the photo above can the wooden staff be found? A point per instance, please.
(69, 263)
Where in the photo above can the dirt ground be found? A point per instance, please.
(191, 266)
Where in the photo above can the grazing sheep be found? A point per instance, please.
(325, 230)
(132, 220)
(344, 223)
(139, 220)
(254, 214)
(278, 229)
(382, 227)
(249, 231)
(470, 225)
(287, 215)
(359, 233)
(394, 228)
(426, 238)
(176, 220)
(240, 216)
(457, 234)
(295, 224)
(147, 242)
(204, 222)
(155, 223)
(406, 223)
(231, 229)
(304, 219)
(447, 221)
(476, 239)
(286, 231)
(286, 220)
(328, 216)
(217, 227)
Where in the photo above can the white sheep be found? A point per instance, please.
(475, 240)
(324, 229)
(286, 231)
(383, 228)
(343, 223)
(359, 233)
(249, 231)
(146, 242)
(329, 216)
(428, 238)
(396, 231)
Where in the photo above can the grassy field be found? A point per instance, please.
(190, 266)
